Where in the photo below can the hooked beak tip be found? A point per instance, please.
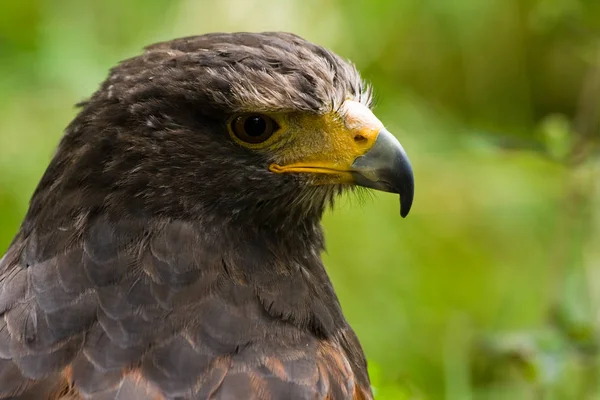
(386, 167)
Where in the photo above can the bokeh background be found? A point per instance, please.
(490, 289)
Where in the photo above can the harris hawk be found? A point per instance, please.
(172, 249)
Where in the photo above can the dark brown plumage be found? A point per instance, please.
(162, 257)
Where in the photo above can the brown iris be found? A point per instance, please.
(253, 128)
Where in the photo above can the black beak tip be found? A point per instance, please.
(406, 201)
(405, 183)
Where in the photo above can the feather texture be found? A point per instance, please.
(125, 321)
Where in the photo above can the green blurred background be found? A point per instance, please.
(490, 288)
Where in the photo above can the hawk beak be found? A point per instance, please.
(354, 148)
(386, 167)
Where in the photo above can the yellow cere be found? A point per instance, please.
(327, 144)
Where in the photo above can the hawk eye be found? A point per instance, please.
(253, 128)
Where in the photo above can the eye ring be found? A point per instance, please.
(253, 128)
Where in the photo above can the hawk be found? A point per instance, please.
(172, 247)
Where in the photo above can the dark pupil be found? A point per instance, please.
(255, 126)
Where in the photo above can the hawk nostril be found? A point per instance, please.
(360, 139)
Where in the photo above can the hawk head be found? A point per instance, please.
(257, 129)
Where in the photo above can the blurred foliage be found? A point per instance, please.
(490, 288)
